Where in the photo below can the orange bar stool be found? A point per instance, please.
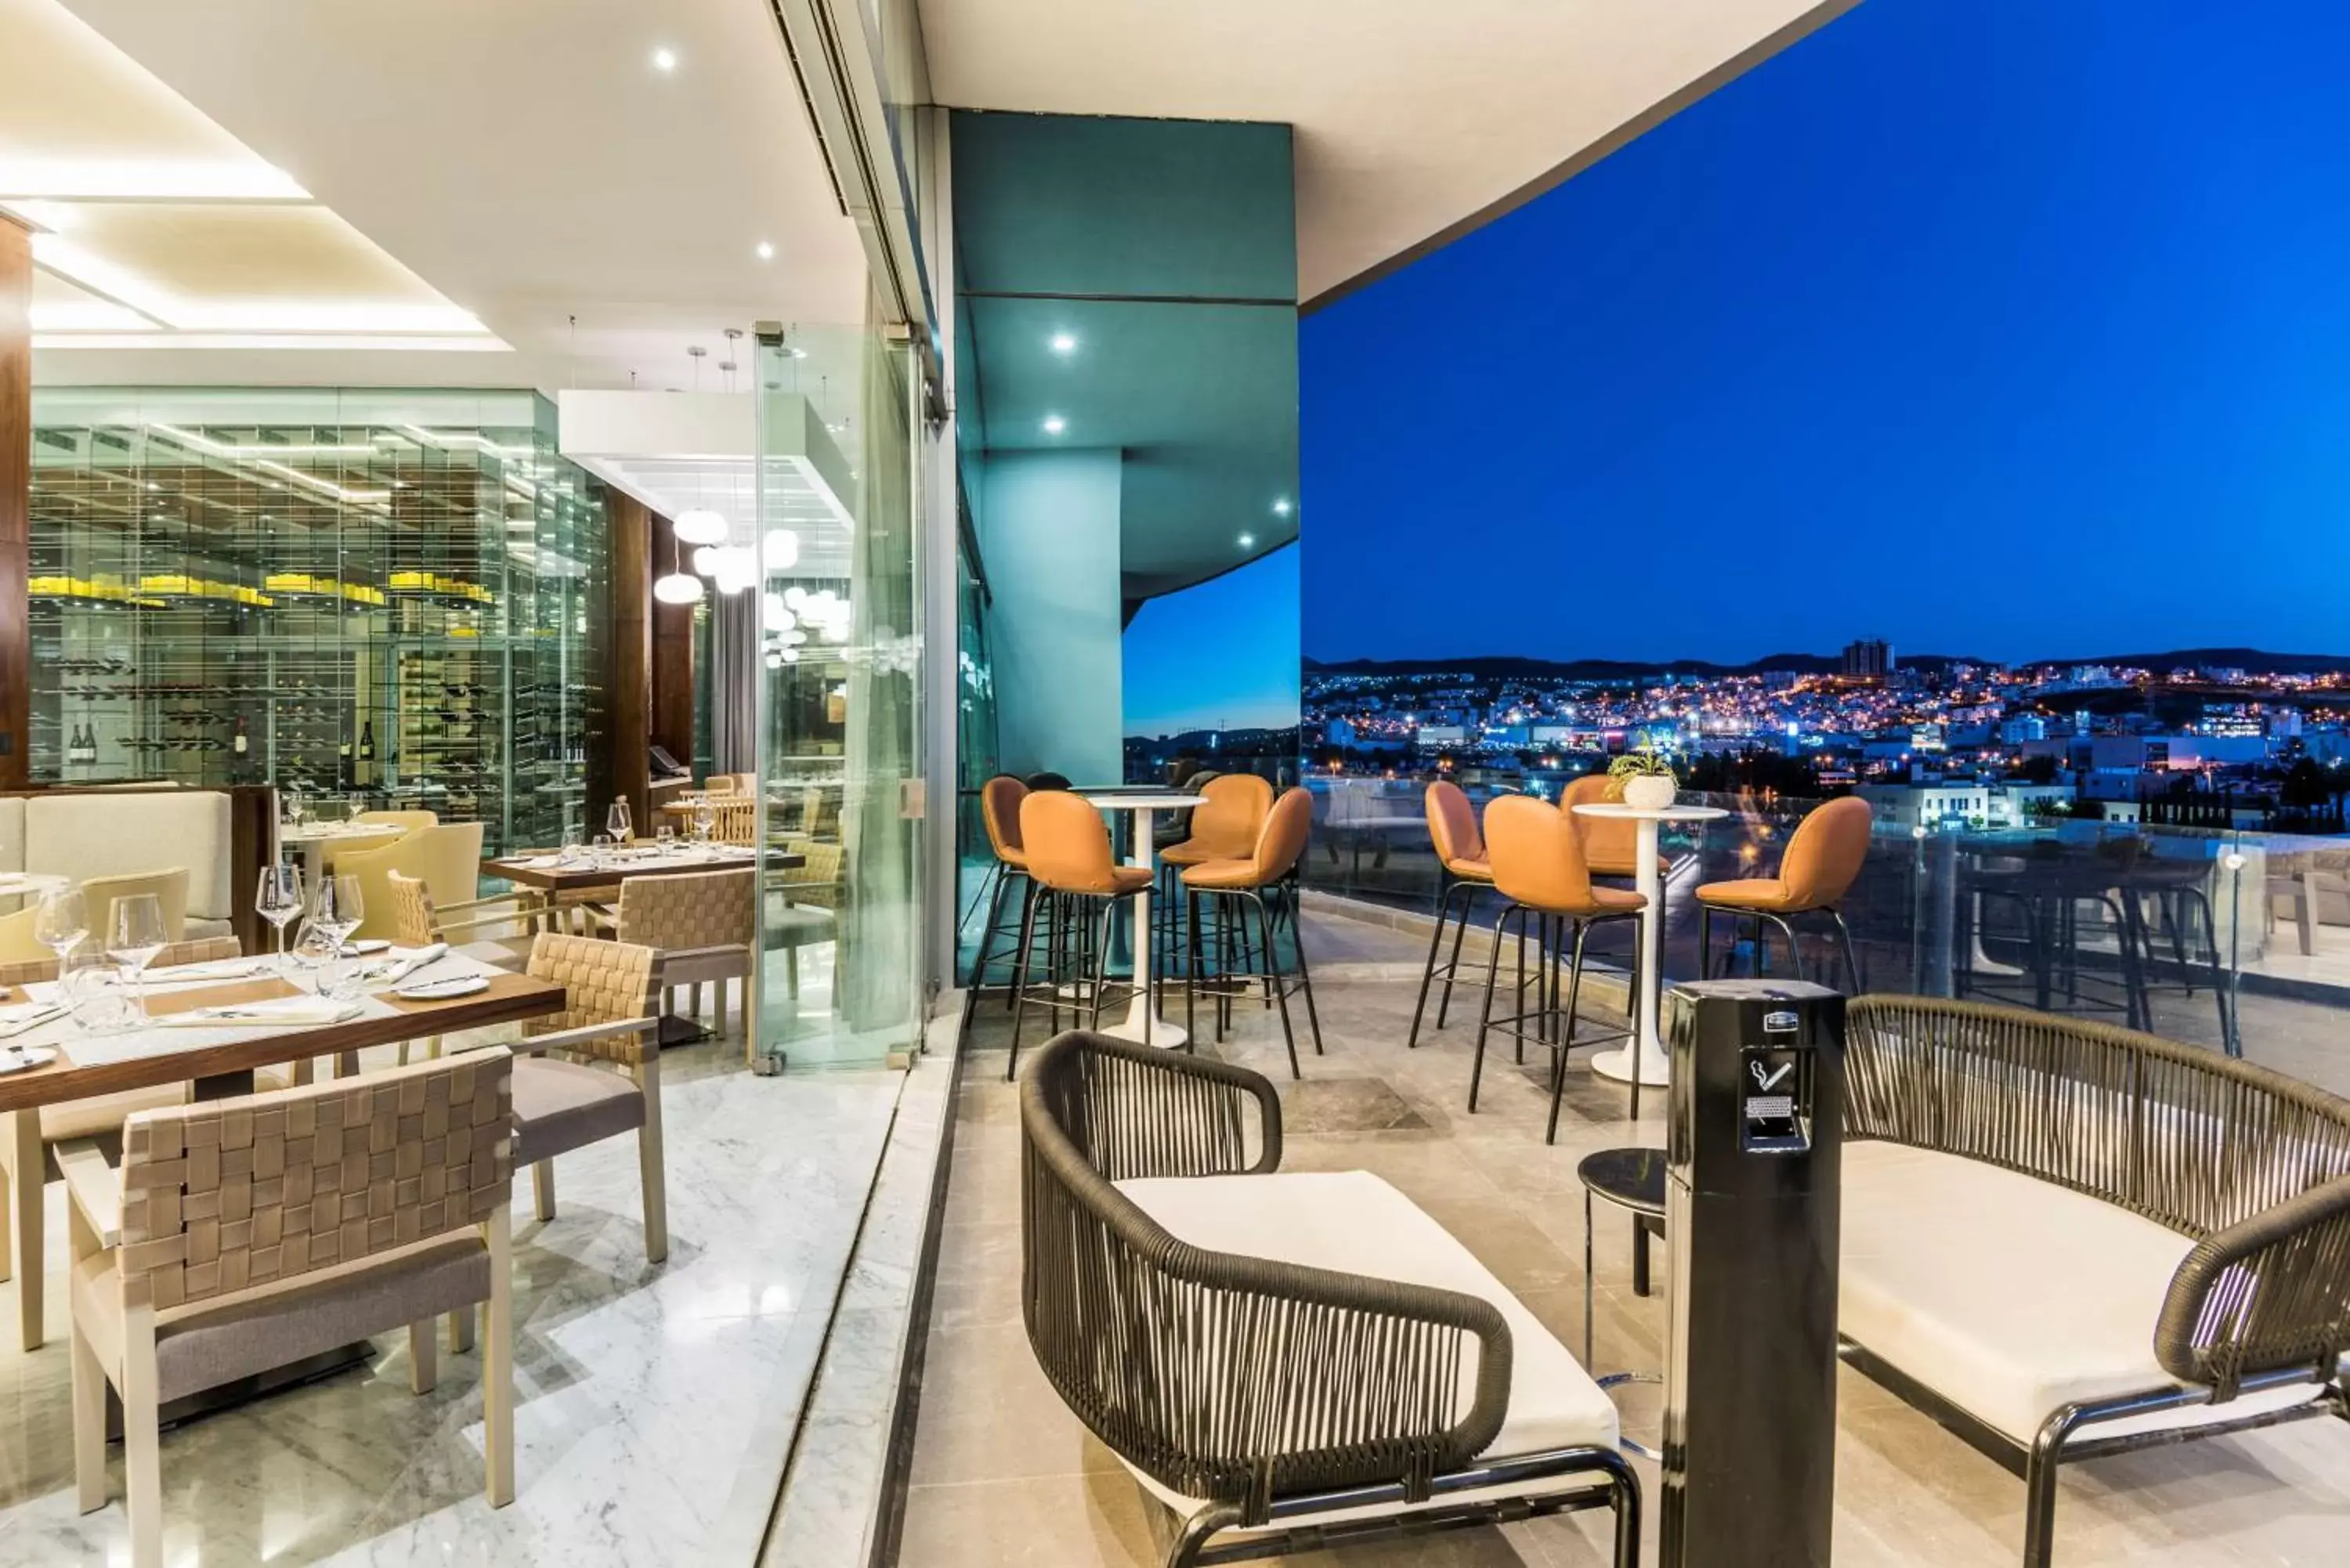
(1242, 883)
(1461, 870)
(1537, 860)
(1817, 868)
(1611, 845)
(999, 813)
(1223, 826)
(1076, 877)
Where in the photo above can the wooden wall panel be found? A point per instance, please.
(15, 503)
(672, 689)
(629, 523)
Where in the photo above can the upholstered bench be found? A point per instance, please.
(1288, 1362)
(2066, 1241)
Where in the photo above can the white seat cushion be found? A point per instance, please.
(1353, 1222)
(2008, 1296)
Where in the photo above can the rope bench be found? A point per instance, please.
(2064, 1240)
(1289, 1361)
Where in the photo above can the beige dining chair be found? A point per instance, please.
(29, 1138)
(593, 1070)
(17, 944)
(447, 858)
(700, 924)
(240, 1235)
(171, 890)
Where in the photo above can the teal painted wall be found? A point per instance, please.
(1049, 532)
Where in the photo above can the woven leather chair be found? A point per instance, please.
(700, 924)
(1312, 1405)
(1817, 868)
(2051, 1225)
(1537, 860)
(240, 1234)
(593, 1070)
(1080, 885)
(1237, 887)
(416, 921)
(733, 819)
(28, 1152)
(1461, 870)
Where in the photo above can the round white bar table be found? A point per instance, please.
(1652, 1065)
(1142, 805)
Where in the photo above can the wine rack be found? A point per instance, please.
(399, 597)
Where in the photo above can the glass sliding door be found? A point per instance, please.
(837, 700)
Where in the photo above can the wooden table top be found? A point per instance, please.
(571, 878)
(510, 997)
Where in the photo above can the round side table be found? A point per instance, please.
(1632, 1179)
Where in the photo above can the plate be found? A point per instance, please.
(370, 945)
(13, 1060)
(441, 990)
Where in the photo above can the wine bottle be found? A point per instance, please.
(239, 743)
(367, 741)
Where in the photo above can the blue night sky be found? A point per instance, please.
(1990, 327)
(1221, 656)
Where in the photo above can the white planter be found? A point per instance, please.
(1648, 792)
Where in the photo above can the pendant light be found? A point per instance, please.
(677, 587)
(699, 524)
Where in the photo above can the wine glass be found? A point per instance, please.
(62, 922)
(280, 897)
(337, 908)
(705, 820)
(135, 935)
(616, 821)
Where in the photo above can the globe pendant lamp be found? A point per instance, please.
(700, 527)
(676, 585)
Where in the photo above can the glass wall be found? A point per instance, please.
(389, 598)
(836, 707)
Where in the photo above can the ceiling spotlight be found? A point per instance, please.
(1281, 508)
(1248, 541)
(1064, 342)
(764, 251)
(700, 527)
(1054, 424)
(665, 60)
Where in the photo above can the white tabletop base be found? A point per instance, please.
(1162, 1033)
(1655, 1069)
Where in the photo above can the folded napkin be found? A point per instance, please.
(279, 1012)
(402, 962)
(27, 1015)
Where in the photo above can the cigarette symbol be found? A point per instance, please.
(1770, 1080)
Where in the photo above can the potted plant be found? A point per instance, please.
(1645, 778)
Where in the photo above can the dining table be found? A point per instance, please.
(1642, 1060)
(552, 873)
(1142, 1025)
(313, 839)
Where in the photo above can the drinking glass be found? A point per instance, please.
(705, 820)
(664, 837)
(616, 821)
(316, 948)
(338, 907)
(280, 897)
(601, 849)
(61, 924)
(92, 991)
(135, 936)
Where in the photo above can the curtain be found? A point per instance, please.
(733, 670)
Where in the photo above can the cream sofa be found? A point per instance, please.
(2067, 1241)
(115, 833)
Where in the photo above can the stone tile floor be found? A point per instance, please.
(1003, 1475)
(655, 1405)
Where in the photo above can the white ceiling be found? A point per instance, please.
(525, 160)
(1411, 117)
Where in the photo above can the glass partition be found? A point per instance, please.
(836, 701)
(389, 598)
(2236, 941)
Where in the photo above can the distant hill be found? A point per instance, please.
(2252, 660)
(1505, 666)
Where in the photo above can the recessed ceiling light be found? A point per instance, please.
(1064, 342)
(1281, 508)
(1248, 541)
(664, 60)
(764, 251)
(1054, 424)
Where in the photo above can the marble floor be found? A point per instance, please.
(655, 1406)
(1002, 1475)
